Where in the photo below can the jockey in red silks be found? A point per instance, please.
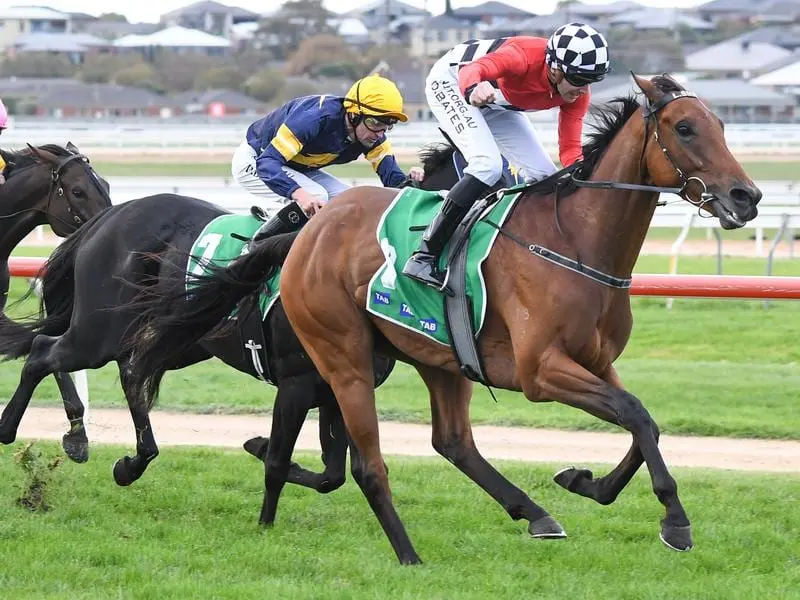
(479, 91)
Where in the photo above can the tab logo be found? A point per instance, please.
(429, 325)
(405, 310)
(380, 298)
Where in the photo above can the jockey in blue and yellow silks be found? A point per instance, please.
(282, 157)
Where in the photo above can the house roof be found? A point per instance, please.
(207, 6)
(718, 92)
(117, 29)
(105, 95)
(788, 75)
(445, 22)
(230, 98)
(32, 13)
(598, 10)
(735, 56)
(175, 37)
(58, 42)
(780, 35)
(659, 18)
(491, 9)
(395, 7)
(724, 6)
(540, 24)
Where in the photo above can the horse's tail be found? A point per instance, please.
(58, 295)
(169, 323)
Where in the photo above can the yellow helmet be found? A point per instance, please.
(375, 96)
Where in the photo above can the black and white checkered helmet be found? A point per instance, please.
(579, 49)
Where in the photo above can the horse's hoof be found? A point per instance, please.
(329, 485)
(7, 437)
(412, 559)
(122, 472)
(677, 538)
(571, 477)
(546, 528)
(257, 447)
(77, 451)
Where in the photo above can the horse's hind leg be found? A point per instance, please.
(333, 439)
(563, 380)
(48, 355)
(288, 416)
(340, 344)
(452, 438)
(604, 489)
(75, 442)
(128, 469)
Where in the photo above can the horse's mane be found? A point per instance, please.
(609, 118)
(19, 159)
(435, 155)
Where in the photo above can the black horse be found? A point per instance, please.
(139, 249)
(51, 185)
(45, 185)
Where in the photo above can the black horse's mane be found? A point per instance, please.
(609, 118)
(19, 159)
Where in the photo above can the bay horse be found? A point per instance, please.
(552, 333)
(90, 274)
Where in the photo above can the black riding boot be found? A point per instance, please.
(423, 265)
(290, 218)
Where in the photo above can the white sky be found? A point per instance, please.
(148, 11)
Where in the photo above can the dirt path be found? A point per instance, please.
(534, 445)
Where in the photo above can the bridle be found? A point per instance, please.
(651, 110)
(57, 188)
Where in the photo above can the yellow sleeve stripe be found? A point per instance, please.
(378, 153)
(286, 143)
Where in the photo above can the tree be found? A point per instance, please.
(220, 78)
(318, 51)
(265, 84)
(100, 68)
(139, 75)
(295, 88)
(112, 16)
(297, 20)
(393, 54)
(177, 73)
(37, 64)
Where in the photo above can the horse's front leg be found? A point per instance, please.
(604, 489)
(75, 442)
(452, 438)
(128, 469)
(562, 379)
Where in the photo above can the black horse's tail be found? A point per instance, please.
(58, 295)
(170, 322)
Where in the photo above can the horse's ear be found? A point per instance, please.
(34, 151)
(72, 148)
(649, 89)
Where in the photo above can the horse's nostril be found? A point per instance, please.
(748, 194)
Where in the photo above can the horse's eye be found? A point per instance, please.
(77, 192)
(684, 129)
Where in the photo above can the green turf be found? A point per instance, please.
(188, 530)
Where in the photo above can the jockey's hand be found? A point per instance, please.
(2, 179)
(416, 174)
(482, 94)
(308, 202)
